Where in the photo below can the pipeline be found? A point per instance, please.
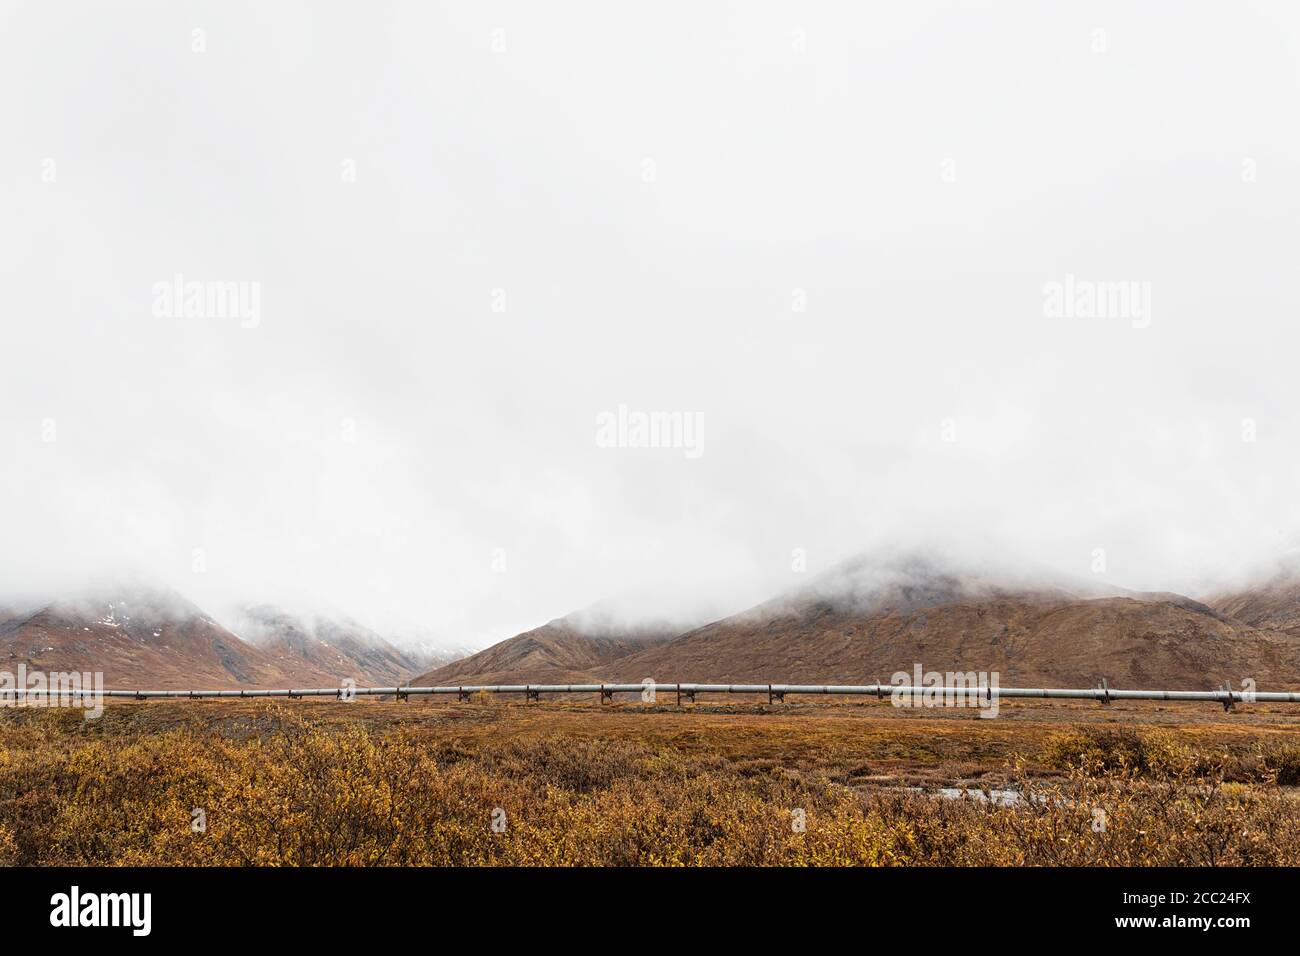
(776, 692)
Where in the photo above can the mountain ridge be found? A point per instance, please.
(867, 618)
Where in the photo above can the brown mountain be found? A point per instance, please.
(567, 650)
(335, 646)
(139, 638)
(865, 621)
(1029, 642)
(1273, 604)
(871, 617)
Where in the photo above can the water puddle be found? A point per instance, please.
(994, 796)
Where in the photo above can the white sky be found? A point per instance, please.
(795, 146)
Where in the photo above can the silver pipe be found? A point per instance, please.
(942, 694)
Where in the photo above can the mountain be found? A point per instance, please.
(139, 637)
(872, 616)
(335, 646)
(858, 623)
(425, 646)
(567, 650)
(1272, 604)
(868, 619)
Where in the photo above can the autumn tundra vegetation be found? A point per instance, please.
(490, 783)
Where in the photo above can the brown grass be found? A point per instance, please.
(388, 783)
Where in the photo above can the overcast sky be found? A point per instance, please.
(824, 235)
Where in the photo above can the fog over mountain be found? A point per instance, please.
(477, 233)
